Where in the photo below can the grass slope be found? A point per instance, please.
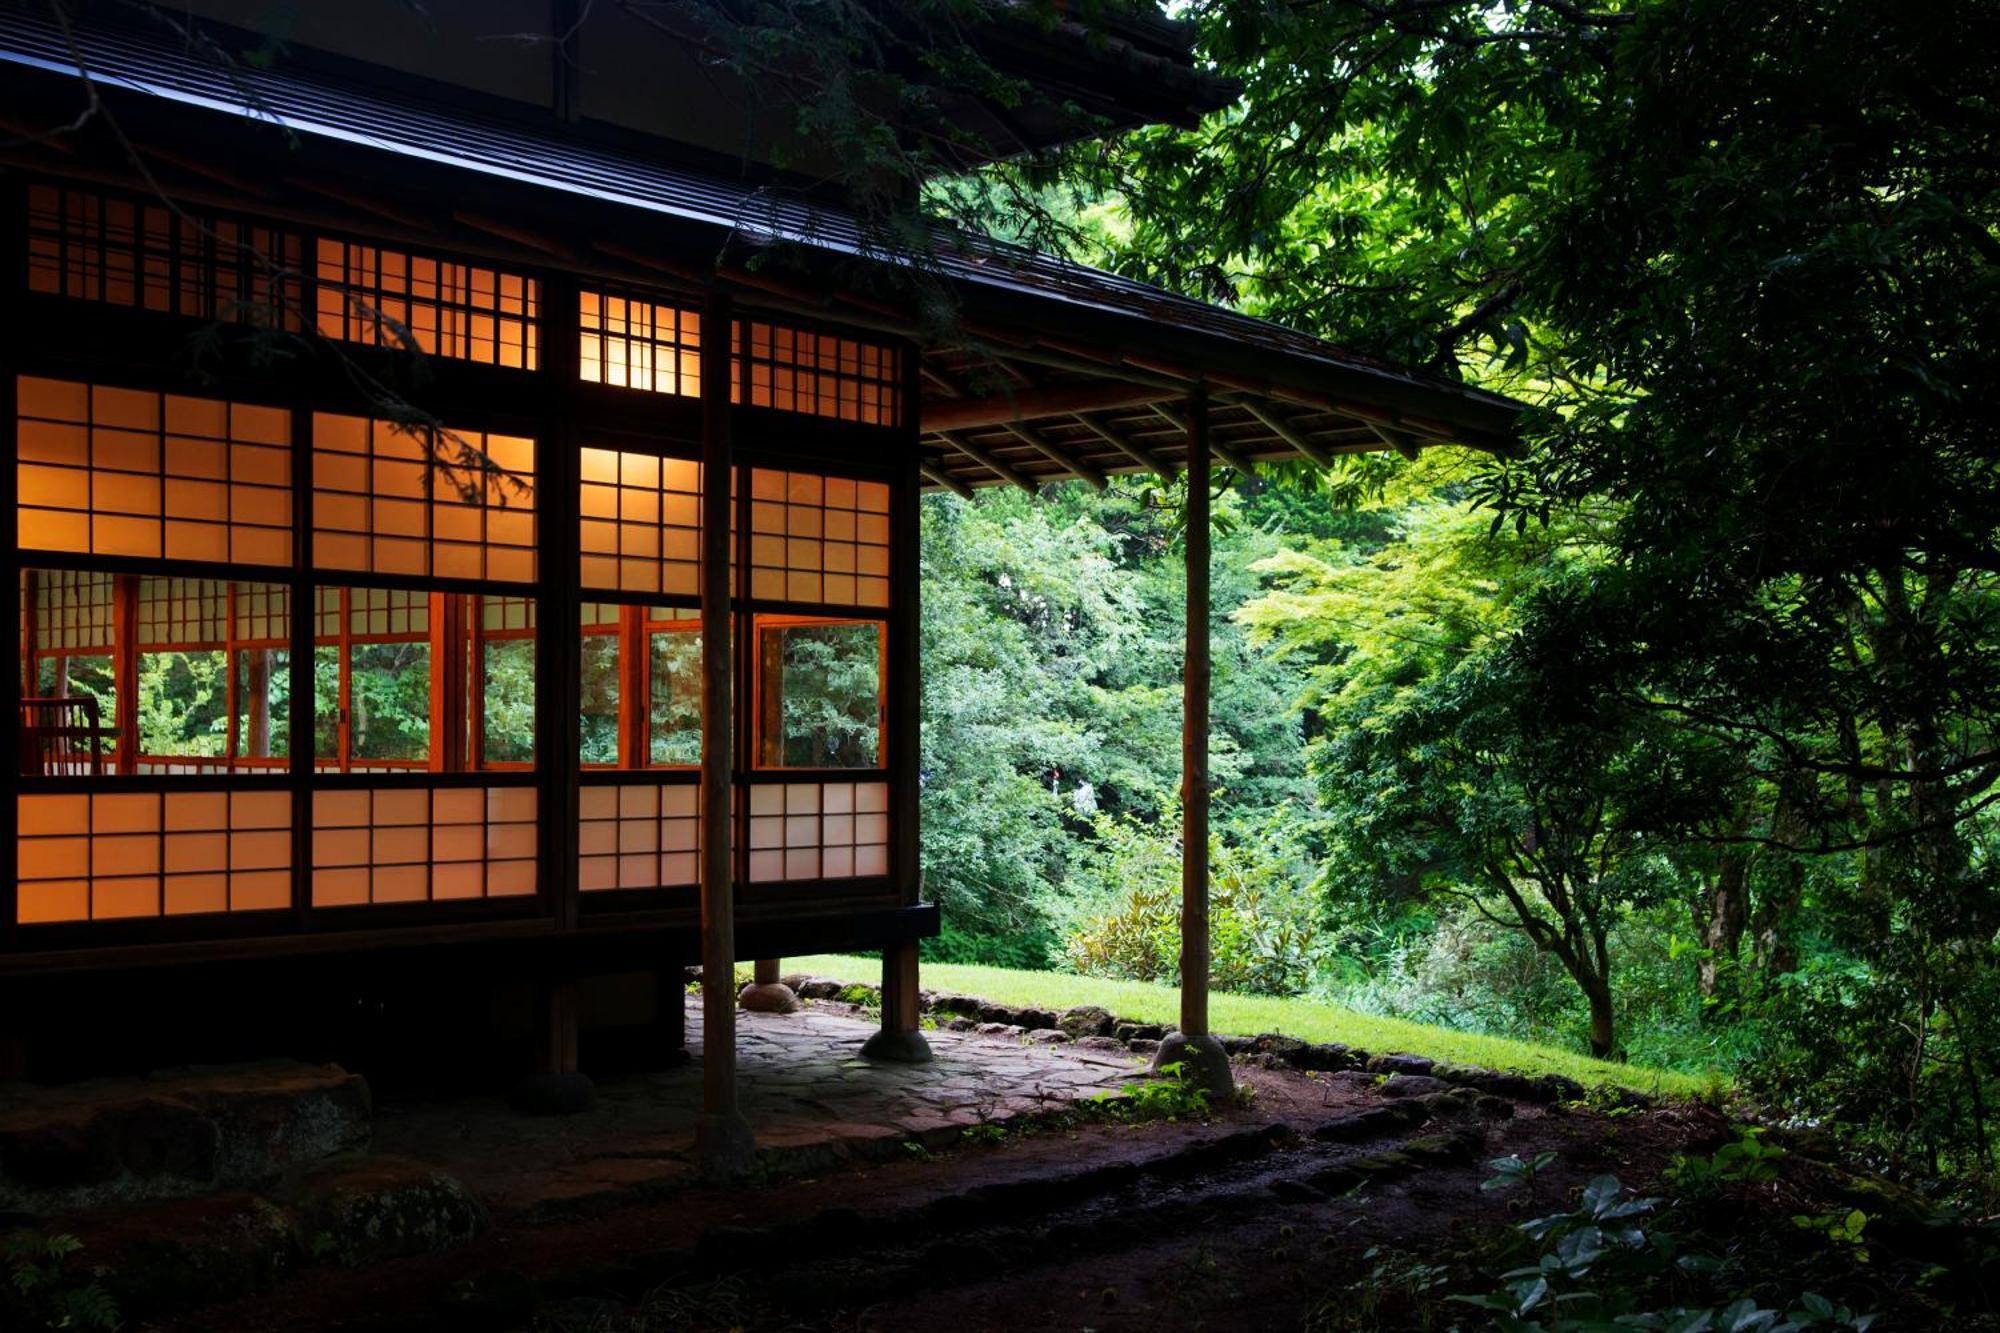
(1310, 1020)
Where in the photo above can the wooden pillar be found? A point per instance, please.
(901, 1037)
(125, 682)
(1195, 683)
(723, 1144)
(1197, 1053)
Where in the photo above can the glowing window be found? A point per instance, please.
(797, 370)
(407, 681)
(641, 523)
(819, 540)
(638, 836)
(396, 299)
(204, 665)
(97, 247)
(639, 344)
(392, 499)
(807, 830)
(418, 844)
(102, 856)
(125, 472)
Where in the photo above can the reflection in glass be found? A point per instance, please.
(819, 694)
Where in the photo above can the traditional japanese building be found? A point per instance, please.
(448, 559)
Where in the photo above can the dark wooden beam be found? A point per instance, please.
(1028, 404)
(1284, 431)
(942, 478)
(723, 1143)
(1394, 438)
(1183, 425)
(986, 460)
(1137, 453)
(1076, 466)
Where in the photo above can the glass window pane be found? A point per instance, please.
(390, 709)
(820, 694)
(184, 704)
(264, 697)
(599, 703)
(510, 701)
(675, 670)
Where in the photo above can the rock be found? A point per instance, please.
(818, 988)
(1048, 1037)
(795, 980)
(990, 1012)
(1356, 1126)
(1556, 1088)
(1355, 1080)
(1099, 1044)
(960, 1024)
(159, 1259)
(1000, 1030)
(1399, 1064)
(1295, 1191)
(174, 1134)
(1326, 1057)
(1143, 1045)
(1238, 1045)
(1126, 1030)
(390, 1209)
(1494, 1108)
(964, 1006)
(553, 1094)
(1087, 1020)
(1335, 1180)
(1036, 1020)
(1413, 1085)
(1286, 1050)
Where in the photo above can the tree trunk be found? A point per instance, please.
(1727, 915)
(1603, 1019)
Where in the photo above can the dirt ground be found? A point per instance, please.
(1317, 1204)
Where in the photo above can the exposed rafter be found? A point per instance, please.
(1227, 455)
(1279, 427)
(1028, 404)
(1137, 453)
(939, 477)
(1077, 467)
(985, 460)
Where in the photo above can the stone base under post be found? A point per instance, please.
(766, 994)
(901, 1039)
(557, 1087)
(1203, 1062)
(724, 1147)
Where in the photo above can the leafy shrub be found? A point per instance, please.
(1262, 934)
(43, 1292)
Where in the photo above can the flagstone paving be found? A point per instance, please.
(811, 1099)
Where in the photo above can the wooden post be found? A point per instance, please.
(723, 1144)
(767, 993)
(901, 1036)
(1200, 1057)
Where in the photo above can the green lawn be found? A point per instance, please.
(1309, 1020)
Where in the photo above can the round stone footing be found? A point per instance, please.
(1202, 1060)
(903, 1048)
(724, 1147)
(554, 1094)
(768, 998)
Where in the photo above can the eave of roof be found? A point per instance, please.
(1026, 304)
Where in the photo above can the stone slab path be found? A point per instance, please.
(811, 1099)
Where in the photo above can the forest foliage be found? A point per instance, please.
(1674, 736)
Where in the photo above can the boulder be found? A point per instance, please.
(1326, 1057)
(817, 988)
(389, 1209)
(175, 1134)
(1036, 1020)
(1126, 1030)
(1048, 1036)
(1413, 1085)
(1143, 1045)
(1099, 1044)
(1400, 1064)
(961, 1006)
(1087, 1020)
(1000, 1030)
